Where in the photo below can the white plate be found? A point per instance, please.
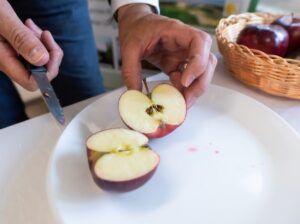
(233, 161)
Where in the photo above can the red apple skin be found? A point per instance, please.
(271, 39)
(294, 54)
(92, 156)
(114, 186)
(123, 186)
(291, 24)
(162, 131)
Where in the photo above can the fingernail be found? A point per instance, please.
(31, 21)
(189, 80)
(36, 54)
(28, 20)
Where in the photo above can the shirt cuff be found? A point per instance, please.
(116, 4)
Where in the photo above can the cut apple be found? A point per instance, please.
(156, 114)
(120, 159)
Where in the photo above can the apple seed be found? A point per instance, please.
(158, 108)
(154, 108)
(149, 110)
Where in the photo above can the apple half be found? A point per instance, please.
(120, 159)
(155, 114)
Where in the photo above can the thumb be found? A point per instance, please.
(20, 37)
(131, 67)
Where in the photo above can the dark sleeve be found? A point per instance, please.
(154, 10)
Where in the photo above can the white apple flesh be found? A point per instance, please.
(120, 160)
(156, 115)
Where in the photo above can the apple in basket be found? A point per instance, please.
(271, 39)
(295, 54)
(120, 159)
(291, 24)
(155, 114)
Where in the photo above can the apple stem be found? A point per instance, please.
(146, 87)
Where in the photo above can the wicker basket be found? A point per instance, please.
(269, 73)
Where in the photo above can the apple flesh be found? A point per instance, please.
(271, 39)
(156, 114)
(120, 159)
(291, 24)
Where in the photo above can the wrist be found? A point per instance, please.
(136, 9)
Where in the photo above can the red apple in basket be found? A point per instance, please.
(120, 159)
(294, 54)
(271, 39)
(154, 114)
(291, 24)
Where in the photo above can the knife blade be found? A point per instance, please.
(47, 91)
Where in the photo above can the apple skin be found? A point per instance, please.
(116, 186)
(291, 24)
(123, 186)
(271, 39)
(294, 54)
(162, 131)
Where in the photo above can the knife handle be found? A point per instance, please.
(32, 68)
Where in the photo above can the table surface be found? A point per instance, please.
(26, 148)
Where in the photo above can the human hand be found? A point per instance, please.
(167, 44)
(36, 46)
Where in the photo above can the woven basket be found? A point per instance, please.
(269, 73)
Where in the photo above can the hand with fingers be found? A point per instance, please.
(28, 40)
(179, 50)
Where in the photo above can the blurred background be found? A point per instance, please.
(203, 14)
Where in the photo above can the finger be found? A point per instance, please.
(175, 78)
(20, 36)
(198, 87)
(198, 58)
(33, 27)
(13, 68)
(55, 52)
(131, 66)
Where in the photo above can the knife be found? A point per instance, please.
(49, 96)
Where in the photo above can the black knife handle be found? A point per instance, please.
(32, 68)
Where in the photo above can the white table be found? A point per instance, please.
(25, 149)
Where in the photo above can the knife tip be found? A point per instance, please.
(61, 120)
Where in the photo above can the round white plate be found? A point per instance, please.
(232, 161)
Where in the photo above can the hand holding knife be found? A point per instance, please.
(49, 96)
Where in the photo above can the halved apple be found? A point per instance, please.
(120, 159)
(156, 114)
